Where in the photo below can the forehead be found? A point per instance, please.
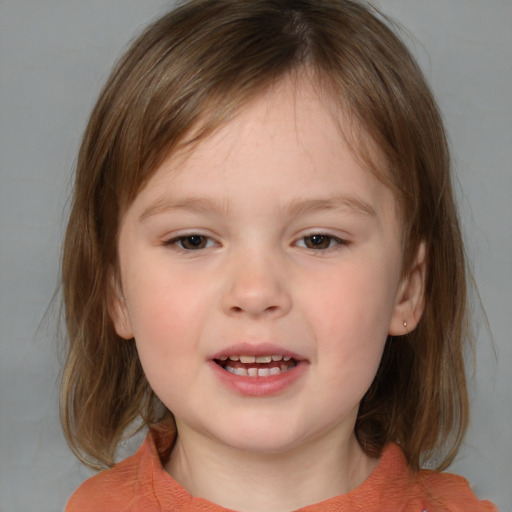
(294, 111)
(290, 137)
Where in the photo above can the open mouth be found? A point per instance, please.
(256, 366)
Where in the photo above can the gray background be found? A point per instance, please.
(54, 56)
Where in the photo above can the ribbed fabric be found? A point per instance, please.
(140, 484)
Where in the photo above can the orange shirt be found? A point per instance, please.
(140, 484)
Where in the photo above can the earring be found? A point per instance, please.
(405, 323)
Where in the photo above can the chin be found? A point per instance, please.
(263, 439)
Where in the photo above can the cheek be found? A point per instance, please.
(350, 313)
(166, 341)
(359, 299)
(165, 315)
(160, 298)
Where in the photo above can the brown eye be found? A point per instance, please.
(319, 241)
(191, 242)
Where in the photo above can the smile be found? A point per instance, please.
(256, 366)
(258, 370)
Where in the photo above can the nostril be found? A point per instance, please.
(269, 309)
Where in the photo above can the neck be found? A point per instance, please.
(255, 482)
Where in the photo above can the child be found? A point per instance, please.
(263, 265)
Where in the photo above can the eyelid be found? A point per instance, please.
(338, 241)
(174, 241)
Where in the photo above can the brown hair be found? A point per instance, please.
(185, 76)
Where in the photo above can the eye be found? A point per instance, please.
(319, 241)
(191, 242)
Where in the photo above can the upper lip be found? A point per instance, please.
(256, 349)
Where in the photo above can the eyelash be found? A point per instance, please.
(178, 242)
(332, 242)
(200, 242)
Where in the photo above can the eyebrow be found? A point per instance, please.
(341, 202)
(295, 208)
(189, 204)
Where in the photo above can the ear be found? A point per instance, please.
(410, 297)
(118, 309)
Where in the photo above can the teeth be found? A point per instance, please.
(283, 365)
(264, 359)
(255, 359)
(257, 372)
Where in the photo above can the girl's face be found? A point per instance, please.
(269, 242)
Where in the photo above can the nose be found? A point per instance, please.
(257, 286)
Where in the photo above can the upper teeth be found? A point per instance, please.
(255, 359)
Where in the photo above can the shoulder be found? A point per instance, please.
(450, 493)
(125, 487)
(107, 490)
(399, 488)
(394, 487)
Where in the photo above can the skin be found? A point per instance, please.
(256, 193)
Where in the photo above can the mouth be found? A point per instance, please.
(258, 370)
(256, 366)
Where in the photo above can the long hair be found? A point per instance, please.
(188, 74)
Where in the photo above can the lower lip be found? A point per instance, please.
(259, 386)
